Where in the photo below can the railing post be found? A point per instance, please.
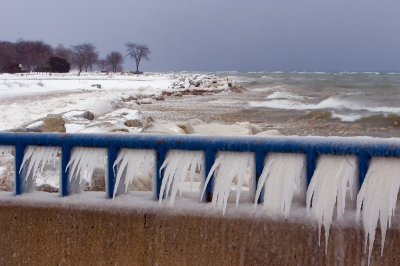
(260, 157)
(363, 163)
(65, 157)
(209, 161)
(19, 157)
(112, 156)
(311, 164)
(161, 153)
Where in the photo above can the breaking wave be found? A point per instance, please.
(335, 103)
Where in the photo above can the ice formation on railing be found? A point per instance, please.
(81, 166)
(329, 186)
(282, 176)
(130, 164)
(226, 167)
(34, 157)
(5, 150)
(176, 166)
(377, 198)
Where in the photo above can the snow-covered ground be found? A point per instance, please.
(27, 97)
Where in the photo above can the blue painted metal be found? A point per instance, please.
(160, 157)
(363, 164)
(260, 157)
(65, 157)
(112, 156)
(209, 161)
(364, 148)
(311, 158)
(19, 175)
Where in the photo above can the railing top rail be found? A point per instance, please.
(293, 144)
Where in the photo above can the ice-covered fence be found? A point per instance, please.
(377, 196)
(362, 148)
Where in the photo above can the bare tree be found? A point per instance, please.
(33, 55)
(137, 52)
(8, 56)
(102, 65)
(114, 60)
(84, 56)
(78, 56)
(91, 56)
(63, 52)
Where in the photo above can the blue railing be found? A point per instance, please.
(364, 148)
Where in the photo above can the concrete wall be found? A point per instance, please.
(51, 235)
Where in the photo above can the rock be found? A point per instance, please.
(47, 188)
(133, 123)
(96, 85)
(271, 132)
(254, 129)
(88, 115)
(116, 130)
(197, 83)
(71, 115)
(162, 127)
(178, 94)
(188, 126)
(196, 126)
(144, 101)
(160, 98)
(50, 123)
(237, 88)
(98, 179)
(141, 183)
(104, 126)
(130, 98)
(53, 123)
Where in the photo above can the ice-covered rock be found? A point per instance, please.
(162, 127)
(271, 132)
(196, 126)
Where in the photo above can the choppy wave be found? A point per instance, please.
(334, 102)
(284, 95)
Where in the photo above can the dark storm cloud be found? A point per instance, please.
(211, 35)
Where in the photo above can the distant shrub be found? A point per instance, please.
(59, 65)
(11, 68)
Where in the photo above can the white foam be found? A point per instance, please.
(329, 186)
(347, 117)
(177, 164)
(377, 198)
(281, 178)
(333, 102)
(226, 167)
(131, 164)
(284, 95)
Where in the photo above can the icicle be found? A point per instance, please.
(5, 150)
(35, 156)
(377, 197)
(131, 163)
(227, 166)
(177, 164)
(281, 176)
(328, 186)
(82, 163)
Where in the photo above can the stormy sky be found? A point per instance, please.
(217, 35)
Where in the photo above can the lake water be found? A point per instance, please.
(299, 103)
